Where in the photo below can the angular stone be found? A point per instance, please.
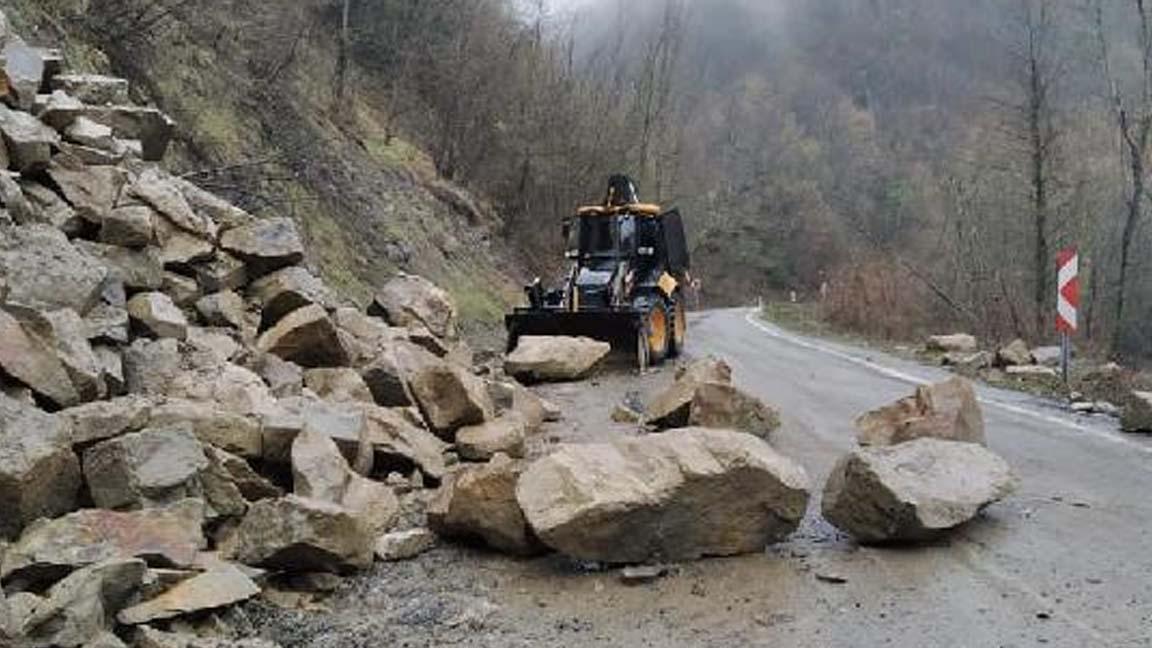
(948, 410)
(150, 366)
(91, 190)
(408, 300)
(555, 359)
(285, 379)
(183, 290)
(224, 308)
(296, 534)
(81, 607)
(211, 424)
(505, 435)
(138, 270)
(89, 155)
(1015, 354)
(478, 503)
(43, 270)
(29, 142)
(722, 406)
(451, 398)
(93, 89)
(111, 369)
(404, 545)
(155, 314)
(129, 226)
(39, 473)
(225, 272)
(226, 215)
(232, 387)
(251, 485)
(86, 132)
(913, 491)
(265, 245)
(1136, 415)
(23, 72)
(307, 337)
(50, 549)
(389, 374)
(957, 343)
(107, 324)
(156, 189)
(104, 420)
(211, 590)
(287, 290)
(394, 437)
(151, 127)
(320, 472)
(1032, 372)
(212, 346)
(675, 496)
(20, 209)
(672, 408)
(69, 335)
(52, 209)
(144, 469)
(32, 359)
(338, 385)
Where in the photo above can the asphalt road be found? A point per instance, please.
(1065, 562)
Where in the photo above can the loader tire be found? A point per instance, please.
(657, 328)
(679, 326)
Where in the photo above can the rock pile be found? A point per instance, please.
(922, 468)
(185, 408)
(702, 395)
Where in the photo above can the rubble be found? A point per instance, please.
(307, 337)
(219, 587)
(479, 503)
(947, 410)
(913, 491)
(451, 398)
(39, 473)
(679, 495)
(153, 467)
(505, 434)
(1015, 354)
(404, 545)
(407, 300)
(554, 359)
(956, 343)
(1136, 415)
(673, 407)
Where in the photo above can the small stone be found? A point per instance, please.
(404, 545)
(156, 314)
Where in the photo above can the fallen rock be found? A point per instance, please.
(404, 545)
(396, 437)
(212, 346)
(287, 290)
(624, 414)
(220, 587)
(149, 126)
(285, 379)
(722, 406)
(138, 270)
(86, 132)
(108, 324)
(93, 89)
(52, 209)
(103, 420)
(265, 245)
(1136, 415)
(211, 424)
(39, 473)
(947, 410)
(224, 308)
(970, 362)
(212, 207)
(672, 408)
(408, 300)
(913, 491)
(1038, 372)
(43, 270)
(156, 314)
(23, 72)
(28, 141)
(296, 534)
(1048, 356)
(224, 272)
(320, 472)
(91, 190)
(390, 373)
(451, 398)
(80, 607)
(959, 343)
(505, 435)
(145, 469)
(183, 290)
(339, 385)
(307, 337)
(555, 359)
(34, 361)
(231, 387)
(1014, 354)
(128, 226)
(251, 485)
(675, 496)
(156, 189)
(479, 503)
(150, 366)
(50, 549)
(68, 335)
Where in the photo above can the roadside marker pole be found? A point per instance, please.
(1067, 303)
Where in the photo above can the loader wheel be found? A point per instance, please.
(659, 337)
(679, 329)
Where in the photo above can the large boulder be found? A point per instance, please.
(28, 141)
(217, 588)
(956, 343)
(33, 360)
(155, 188)
(287, 290)
(143, 469)
(265, 245)
(138, 270)
(1017, 353)
(82, 606)
(504, 435)
(23, 72)
(675, 496)
(39, 473)
(672, 408)
(478, 503)
(43, 270)
(408, 300)
(395, 437)
(947, 410)
(722, 406)
(50, 549)
(296, 534)
(1137, 413)
(128, 226)
(320, 472)
(538, 358)
(155, 314)
(451, 398)
(913, 491)
(389, 374)
(211, 424)
(307, 337)
(91, 190)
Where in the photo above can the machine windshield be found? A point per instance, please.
(607, 236)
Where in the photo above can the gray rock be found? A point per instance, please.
(156, 189)
(150, 366)
(183, 290)
(226, 215)
(285, 379)
(404, 545)
(408, 300)
(24, 71)
(287, 290)
(93, 89)
(265, 245)
(43, 270)
(128, 226)
(31, 357)
(555, 359)
(156, 314)
(104, 420)
(217, 588)
(138, 270)
(39, 473)
(86, 132)
(504, 435)
(451, 398)
(947, 410)
(675, 496)
(389, 374)
(51, 208)
(338, 385)
(151, 127)
(1016, 353)
(82, 606)
(91, 190)
(479, 503)
(210, 423)
(672, 408)
(307, 337)
(320, 471)
(231, 387)
(224, 308)
(1136, 415)
(914, 491)
(20, 209)
(107, 324)
(1048, 356)
(145, 469)
(251, 485)
(958, 343)
(29, 143)
(723, 406)
(296, 534)
(225, 272)
(69, 335)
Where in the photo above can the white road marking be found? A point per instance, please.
(901, 376)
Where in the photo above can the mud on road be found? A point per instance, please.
(1065, 562)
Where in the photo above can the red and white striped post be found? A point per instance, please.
(1067, 303)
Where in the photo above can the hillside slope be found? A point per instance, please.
(252, 90)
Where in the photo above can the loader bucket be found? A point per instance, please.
(617, 327)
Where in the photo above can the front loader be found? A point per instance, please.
(626, 282)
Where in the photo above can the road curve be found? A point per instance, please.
(1067, 561)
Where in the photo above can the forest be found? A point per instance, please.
(922, 160)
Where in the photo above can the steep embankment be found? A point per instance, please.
(252, 89)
